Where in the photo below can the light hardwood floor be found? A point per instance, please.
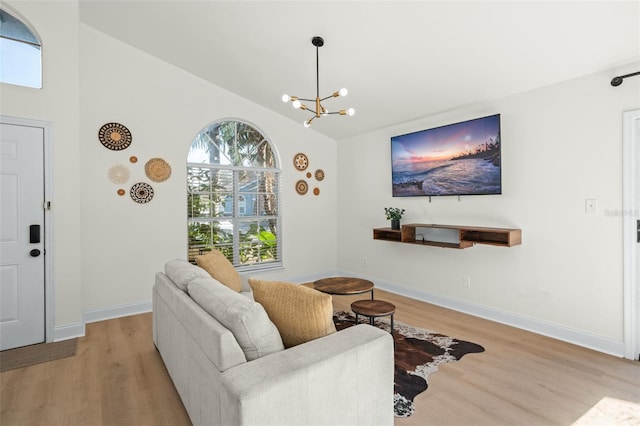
(118, 378)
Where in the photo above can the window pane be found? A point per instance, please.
(258, 188)
(203, 151)
(207, 235)
(208, 191)
(20, 63)
(267, 205)
(20, 55)
(258, 242)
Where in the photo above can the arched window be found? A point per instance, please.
(20, 53)
(233, 185)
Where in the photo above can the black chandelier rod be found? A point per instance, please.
(617, 81)
(317, 72)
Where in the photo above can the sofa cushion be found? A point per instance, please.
(182, 272)
(300, 313)
(247, 320)
(219, 267)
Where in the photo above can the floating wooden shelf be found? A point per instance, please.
(387, 234)
(450, 236)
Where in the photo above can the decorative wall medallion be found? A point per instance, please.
(301, 161)
(114, 136)
(157, 169)
(121, 192)
(309, 175)
(118, 174)
(141, 192)
(302, 187)
(316, 191)
(133, 159)
(319, 174)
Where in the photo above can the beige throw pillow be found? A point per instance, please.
(219, 267)
(247, 320)
(300, 313)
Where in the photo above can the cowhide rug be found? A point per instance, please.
(418, 353)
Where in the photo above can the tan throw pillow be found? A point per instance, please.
(219, 267)
(300, 313)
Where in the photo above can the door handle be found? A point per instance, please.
(34, 253)
(34, 234)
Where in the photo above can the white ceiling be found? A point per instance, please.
(399, 60)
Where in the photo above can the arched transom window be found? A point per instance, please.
(20, 53)
(233, 196)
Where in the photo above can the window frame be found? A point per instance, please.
(237, 217)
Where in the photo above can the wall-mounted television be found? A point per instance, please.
(456, 159)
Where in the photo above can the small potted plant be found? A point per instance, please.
(394, 214)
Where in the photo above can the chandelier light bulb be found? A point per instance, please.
(307, 123)
(285, 98)
(351, 111)
(296, 104)
(343, 92)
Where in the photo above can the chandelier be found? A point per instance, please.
(319, 110)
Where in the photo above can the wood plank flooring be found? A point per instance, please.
(118, 378)
(522, 378)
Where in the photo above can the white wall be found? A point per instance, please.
(125, 243)
(57, 102)
(560, 145)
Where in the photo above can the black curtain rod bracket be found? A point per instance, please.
(617, 81)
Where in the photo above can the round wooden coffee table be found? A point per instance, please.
(374, 309)
(344, 286)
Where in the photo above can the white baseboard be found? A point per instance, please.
(566, 334)
(69, 331)
(117, 311)
(314, 277)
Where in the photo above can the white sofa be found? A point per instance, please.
(345, 378)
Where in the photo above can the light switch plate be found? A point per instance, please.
(590, 206)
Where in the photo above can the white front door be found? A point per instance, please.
(631, 216)
(22, 257)
(636, 210)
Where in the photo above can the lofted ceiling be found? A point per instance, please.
(400, 60)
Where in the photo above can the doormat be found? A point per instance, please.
(418, 353)
(35, 354)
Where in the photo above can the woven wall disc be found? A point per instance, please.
(118, 174)
(141, 192)
(157, 169)
(114, 136)
(121, 192)
(316, 191)
(302, 187)
(300, 161)
(319, 174)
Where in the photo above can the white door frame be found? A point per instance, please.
(630, 215)
(49, 307)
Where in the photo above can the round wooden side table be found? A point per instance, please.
(373, 309)
(344, 286)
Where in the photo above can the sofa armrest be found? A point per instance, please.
(343, 378)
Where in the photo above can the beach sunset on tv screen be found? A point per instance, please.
(458, 159)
